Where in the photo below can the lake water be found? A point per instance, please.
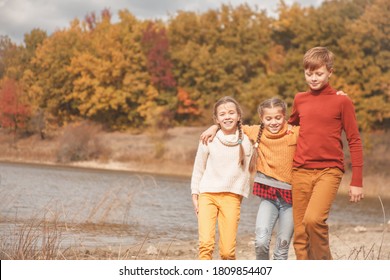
(157, 206)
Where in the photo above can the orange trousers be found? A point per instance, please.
(223, 208)
(313, 192)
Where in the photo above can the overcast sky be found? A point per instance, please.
(18, 17)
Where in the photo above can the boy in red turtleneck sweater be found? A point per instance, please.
(318, 162)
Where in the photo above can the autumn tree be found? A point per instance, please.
(156, 48)
(136, 73)
(49, 81)
(365, 60)
(6, 47)
(10, 59)
(111, 73)
(299, 29)
(32, 41)
(155, 45)
(221, 52)
(14, 113)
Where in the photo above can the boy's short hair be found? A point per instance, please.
(318, 57)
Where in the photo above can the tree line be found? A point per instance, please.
(152, 73)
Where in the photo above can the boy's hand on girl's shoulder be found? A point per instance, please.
(340, 92)
(355, 194)
(289, 129)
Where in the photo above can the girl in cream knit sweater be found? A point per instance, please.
(220, 178)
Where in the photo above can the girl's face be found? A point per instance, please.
(273, 119)
(227, 117)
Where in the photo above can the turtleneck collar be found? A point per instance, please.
(228, 140)
(280, 134)
(326, 90)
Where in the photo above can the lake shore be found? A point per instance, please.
(346, 242)
(170, 154)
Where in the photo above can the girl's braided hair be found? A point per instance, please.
(252, 165)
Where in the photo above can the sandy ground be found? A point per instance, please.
(347, 243)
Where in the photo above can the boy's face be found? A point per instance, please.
(317, 78)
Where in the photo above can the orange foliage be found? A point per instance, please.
(186, 104)
(13, 113)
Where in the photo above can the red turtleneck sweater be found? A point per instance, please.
(322, 116)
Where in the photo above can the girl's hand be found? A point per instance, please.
(195, 203)
(208, 135)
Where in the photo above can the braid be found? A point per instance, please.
(241, 161)
(252, 166)
(259, 135)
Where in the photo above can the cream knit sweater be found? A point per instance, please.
(217, 169)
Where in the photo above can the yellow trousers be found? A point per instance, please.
(313, 192)
(223, 208)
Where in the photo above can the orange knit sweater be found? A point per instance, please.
(275, 151)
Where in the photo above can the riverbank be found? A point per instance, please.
(346, 243)
(171, 155)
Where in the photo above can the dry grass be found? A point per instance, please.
(52, 234)
(48, 239)
(49, 236)
(35, 240)
(44, 241)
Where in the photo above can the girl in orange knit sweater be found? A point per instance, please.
(275, 149)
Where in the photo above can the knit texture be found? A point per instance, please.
(217, 169)
(322, 116)
(275, 151)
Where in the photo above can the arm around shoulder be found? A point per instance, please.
(209, 134)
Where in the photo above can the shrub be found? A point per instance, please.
(81, 142)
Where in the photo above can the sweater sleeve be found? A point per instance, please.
(251, 131)
(294, 117)
(199, 167)
(354, 142)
